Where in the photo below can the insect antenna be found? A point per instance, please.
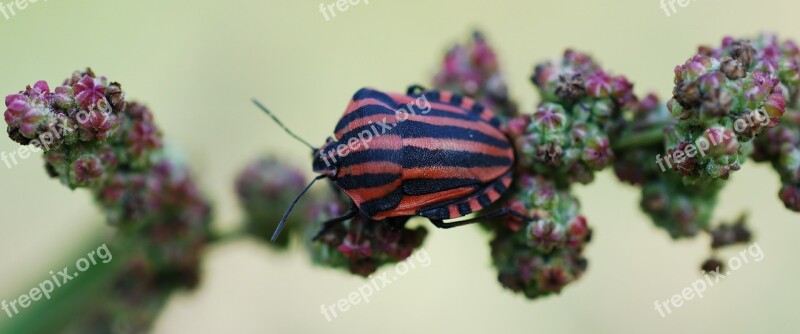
(289, 210)
(271, 115)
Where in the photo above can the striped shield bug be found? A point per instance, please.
(432, 153)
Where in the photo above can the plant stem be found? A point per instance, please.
(218, 236)
(70, 301)
(630, 141)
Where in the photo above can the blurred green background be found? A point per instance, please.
(197, 63)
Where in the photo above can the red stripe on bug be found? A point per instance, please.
(474, 205)
(507, 181)
(362, 195)
(384, 142)
(445, 96)
(459, 145)
(493, 195)
(487, 115)
(483, 174)
(448, 107)
(454, 211)
(467, 103)
(388, 142)
(356, 104)
(368, 122)
(369, 168)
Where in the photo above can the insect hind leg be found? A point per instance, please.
(415, 90)
(482, 199)
(491, 215)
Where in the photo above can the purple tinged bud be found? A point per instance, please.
(597, 153)
(790, 195)
(569, 136)
(550, 116)
(545, 234)
(359, 245)
(143, 137)
(42, 87)
(64, 97)
(541, 256)
(265, 188)
(87, 170)
(775, 107)
(723, 140)
(472, 70)
(571, 87)
(553, 278)
(89, 92)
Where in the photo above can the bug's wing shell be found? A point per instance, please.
(449, 152)
(447, 146)
(407, 153)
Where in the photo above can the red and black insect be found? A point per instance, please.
(433, 154)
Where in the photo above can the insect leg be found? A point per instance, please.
(396, 223)
(415, 89)
(329, 224)
(494, 214)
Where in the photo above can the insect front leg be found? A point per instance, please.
(329, 224)
(396, 223)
